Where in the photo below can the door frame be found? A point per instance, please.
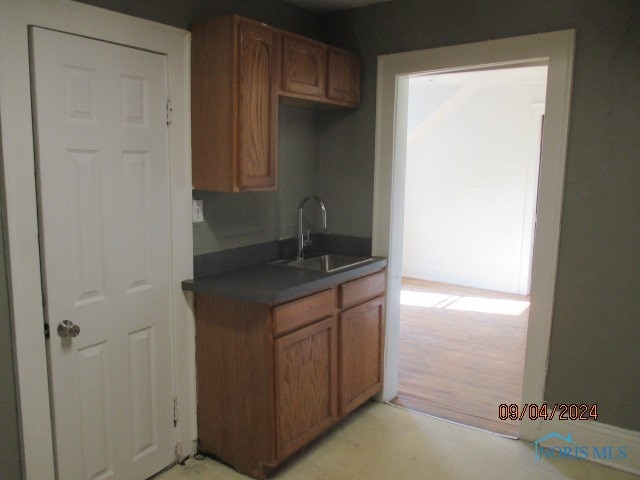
(556, 49)
(18, 158)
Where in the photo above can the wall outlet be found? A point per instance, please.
(197, 211)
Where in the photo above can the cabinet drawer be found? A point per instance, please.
(299, 313)
(363, 289)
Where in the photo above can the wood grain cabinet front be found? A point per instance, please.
(257, 107)
(361, 347)
(359, 291)
(234, 104)
(304, 64)
(343, 77)
(273, 378)
(293, 315)
(306, 385)
(315, 74)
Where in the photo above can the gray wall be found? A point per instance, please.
(181, 13)
(594, 355)
(239, 219)
(10, 451)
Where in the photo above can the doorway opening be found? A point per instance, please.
(556, 51)
(472, 156)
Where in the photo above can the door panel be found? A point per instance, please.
(93, 389)
(103, 189)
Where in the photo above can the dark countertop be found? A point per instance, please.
(274, 284)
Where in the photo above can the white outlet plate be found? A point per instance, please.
(197, 211)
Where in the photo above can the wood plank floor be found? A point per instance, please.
(458, 359)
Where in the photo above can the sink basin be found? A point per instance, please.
(324, 263)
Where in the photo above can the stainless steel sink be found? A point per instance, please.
(324, 263)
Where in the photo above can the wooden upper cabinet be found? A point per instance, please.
(343, 77)
(303, 66)
(234, 104)
(315, 74)
(239, 68)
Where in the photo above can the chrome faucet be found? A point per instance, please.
(302, 242)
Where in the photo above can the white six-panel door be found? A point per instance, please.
(103, 179)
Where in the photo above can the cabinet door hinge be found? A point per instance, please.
(169, 111)
(175, 411)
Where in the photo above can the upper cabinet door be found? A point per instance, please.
(257, 107)
(234, 104)
(343, 77)
(303, 66)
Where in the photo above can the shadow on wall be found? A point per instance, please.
(10, 453)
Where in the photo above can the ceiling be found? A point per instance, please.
(325, 6)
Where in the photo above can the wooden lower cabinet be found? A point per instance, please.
(235, 383)
(273, 378)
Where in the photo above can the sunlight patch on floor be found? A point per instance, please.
(497, 306)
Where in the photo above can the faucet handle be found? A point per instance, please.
(307, 240)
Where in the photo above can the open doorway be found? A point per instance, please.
(472, 158)
(554, 49)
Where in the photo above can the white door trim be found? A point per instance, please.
(21, 211)
(555, 49)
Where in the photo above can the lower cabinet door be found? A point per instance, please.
(306, 381)
(361, 347)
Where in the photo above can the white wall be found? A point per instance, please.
(471, 178)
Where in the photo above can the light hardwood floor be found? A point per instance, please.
(458, 360)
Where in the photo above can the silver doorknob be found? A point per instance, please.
(67, 328)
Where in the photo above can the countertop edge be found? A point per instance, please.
(317, 281)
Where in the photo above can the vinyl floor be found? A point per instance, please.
(385, 442)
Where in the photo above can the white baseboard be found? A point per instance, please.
(593, 434)
(462, 278)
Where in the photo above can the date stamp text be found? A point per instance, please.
(563, 411)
